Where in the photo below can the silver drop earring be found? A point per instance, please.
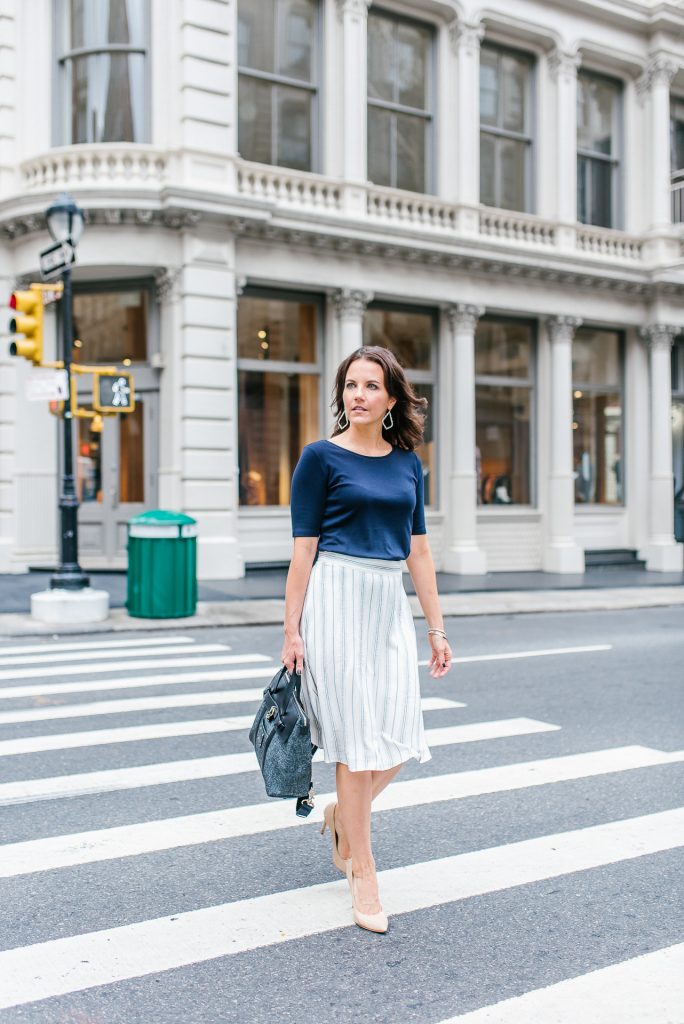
(340, 424)
(388, 426)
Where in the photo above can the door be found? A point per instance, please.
(116, 478)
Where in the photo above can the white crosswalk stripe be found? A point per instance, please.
(132, 951)
(81, 959)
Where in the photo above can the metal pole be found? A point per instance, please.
(69, 575)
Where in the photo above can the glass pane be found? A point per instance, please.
(108, 97)
(596, 109)
(489, 86)
(412, 60)
(380, 57)
(411, 133)
(408, 335)
(597, 445)
(294, 128)
(678, 464)
(276, 329)
(503, 349)
(379, 146)
(88, 463)
(427, 452)
(512, 161)
(596, 358)
(487, 169)
(256, 34)
(502, 439)
(131, 455)
(583, 189)
(98, 22)
(297, 22)
(278, 414)
(111, 327)
(255, 132)
(514, 73)
(601, 209)
(677, 135)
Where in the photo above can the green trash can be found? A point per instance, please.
(162, 565)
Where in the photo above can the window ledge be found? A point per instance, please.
(600, 510)
(524, 513)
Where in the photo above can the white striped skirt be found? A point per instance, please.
(360, 677)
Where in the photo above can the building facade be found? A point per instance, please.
(494, 194)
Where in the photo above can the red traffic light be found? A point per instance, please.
(13, 301)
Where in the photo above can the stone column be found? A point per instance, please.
(653, 89)
(461, 553)
(661, 552)
(561, 551)
(466, 38)
(563, 67)
(350, 305)
(353, 16)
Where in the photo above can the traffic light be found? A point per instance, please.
(113, 392)
(29, 322)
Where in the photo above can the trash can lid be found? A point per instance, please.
(160, 517)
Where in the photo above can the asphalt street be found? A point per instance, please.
(532, 870)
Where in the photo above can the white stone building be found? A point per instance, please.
(492, 191)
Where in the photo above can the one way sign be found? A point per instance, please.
(56, 258)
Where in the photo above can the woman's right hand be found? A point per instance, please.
(292, 654)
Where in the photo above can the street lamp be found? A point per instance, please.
(65, 222)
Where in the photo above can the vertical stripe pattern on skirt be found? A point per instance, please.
(360, 678)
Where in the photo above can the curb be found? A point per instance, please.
(270, 612)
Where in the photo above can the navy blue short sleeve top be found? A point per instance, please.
(362, 505)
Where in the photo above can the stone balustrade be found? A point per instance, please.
(509, 226)
(614, 245)
(411, 209)
(86, 166)
(283, 187)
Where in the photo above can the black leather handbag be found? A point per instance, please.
(281, 736)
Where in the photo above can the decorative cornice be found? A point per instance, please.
(659, 336)
(350, 303)
(564, 65)
(176, 220)
(465, 37)
(562, 328)
(463, 317)
(660, 70)
(357, 9)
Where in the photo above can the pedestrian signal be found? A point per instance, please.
(113, 392)
(29, 323)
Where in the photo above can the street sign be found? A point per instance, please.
(56, 258)
(46, 385)
(113, 392)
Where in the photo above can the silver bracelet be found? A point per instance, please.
(439, 631)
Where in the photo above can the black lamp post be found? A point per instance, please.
(65, 223)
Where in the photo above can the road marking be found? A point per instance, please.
(96, 645)
(48, 660)
(138, 733)
(182, 700)
(141, 682)
(72, 964)
(133, 840)
(97, 668)
(646, 990)
(113, 779)
(507, 656)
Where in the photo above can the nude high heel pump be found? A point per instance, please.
(371, 922)
(329, 822)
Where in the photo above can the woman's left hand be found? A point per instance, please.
(440, 662)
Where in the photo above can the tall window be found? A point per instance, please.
(678, 434)
(399, 102)
(597, 417)
(279, 389)
(102, 60)
(277, 56)
(677, 158)
(503, 411)
(598, 149)
(505, 129)
(410, 334)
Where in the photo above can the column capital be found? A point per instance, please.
(350, 303)
(464, 317)
(562, 328)
(466, 36)
(660, 70)
(659, 336)
(167, 284)
(563, 64)
(357, 9)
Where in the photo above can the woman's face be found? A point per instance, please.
(366, 399)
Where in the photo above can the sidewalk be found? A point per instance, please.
(258, 598)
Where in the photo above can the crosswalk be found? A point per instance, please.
(90, 767)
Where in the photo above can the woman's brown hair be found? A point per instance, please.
(408, 412)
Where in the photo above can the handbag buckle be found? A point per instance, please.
(271, 713)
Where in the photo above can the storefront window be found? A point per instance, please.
(678, 434)
(597, 417)
(111, 327)
(278, 392)
(409, 334)
(503, 412)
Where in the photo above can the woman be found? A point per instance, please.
(357, 501)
